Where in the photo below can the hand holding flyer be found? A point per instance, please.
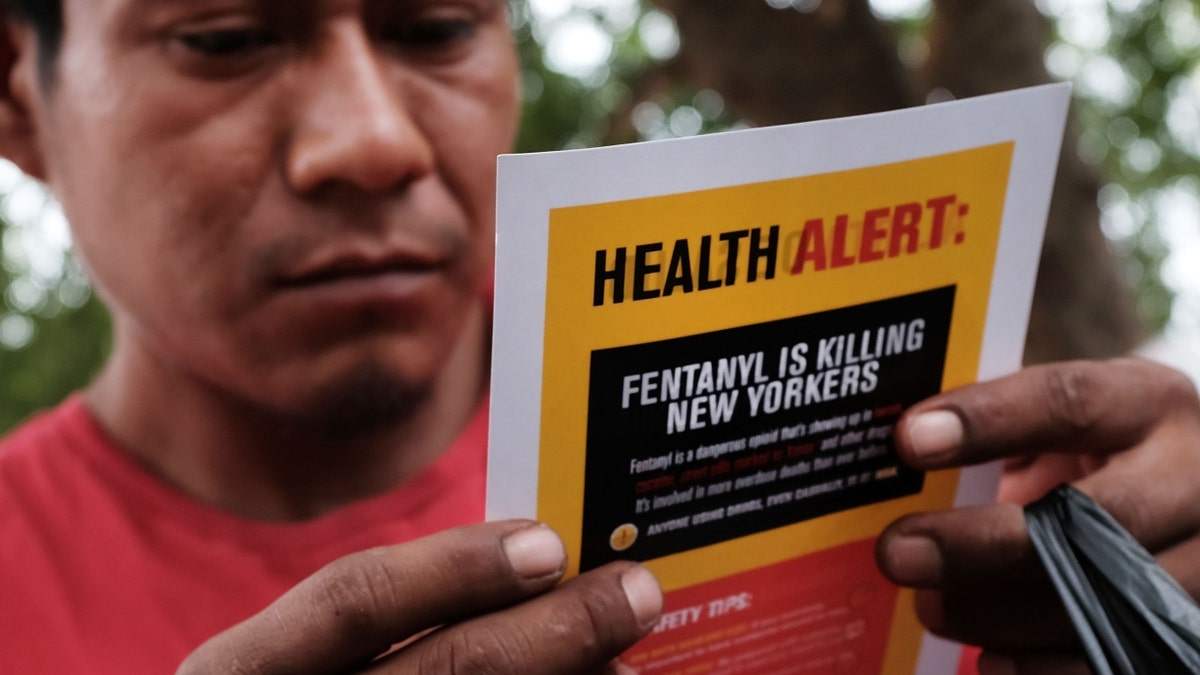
(702, 346)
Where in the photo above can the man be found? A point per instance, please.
(287, 206)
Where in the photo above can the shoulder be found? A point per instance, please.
(36, 439)
(42, 459)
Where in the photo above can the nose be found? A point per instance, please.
(353, 126)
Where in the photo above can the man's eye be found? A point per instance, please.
(439, 33)
(228, 43)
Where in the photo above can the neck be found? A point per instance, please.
(260, 463)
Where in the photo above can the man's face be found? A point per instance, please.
(284, 197)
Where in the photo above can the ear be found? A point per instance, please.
(20, 92)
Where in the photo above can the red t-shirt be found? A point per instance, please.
(104, 569)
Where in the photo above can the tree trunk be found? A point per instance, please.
(1082, 305)
(778, 66)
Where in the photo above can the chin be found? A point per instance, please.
(364, 401)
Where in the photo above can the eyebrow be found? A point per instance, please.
(255, 3)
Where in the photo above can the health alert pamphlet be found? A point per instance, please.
(702, 345)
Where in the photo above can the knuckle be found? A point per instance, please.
(585, 623)
(593, 616)
(478, 651)
(351, 591)
(603, 621)
(1068, 388)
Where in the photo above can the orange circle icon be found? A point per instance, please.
(623, 537)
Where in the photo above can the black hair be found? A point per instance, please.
(46, 19)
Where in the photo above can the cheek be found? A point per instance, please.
(471, 123)
(160, 232)
(178, 195)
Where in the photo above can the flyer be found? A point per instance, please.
(701, 347)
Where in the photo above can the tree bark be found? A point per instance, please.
(1082, 306)
(778, 66)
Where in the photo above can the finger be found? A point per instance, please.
(1179, 561)
(1139, 420)
(991, 663)
(983, 582)
(353, 610)
(1083, 406)
(1032, 477)
(986, 585)
(579, 627)
(1153, 492)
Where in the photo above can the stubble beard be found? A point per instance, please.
(364, 402)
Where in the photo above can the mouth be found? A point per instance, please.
(359, 266)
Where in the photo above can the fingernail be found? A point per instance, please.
(644, 595)
(933, 435)
(534, 552)
(914, 561)
(994, 664)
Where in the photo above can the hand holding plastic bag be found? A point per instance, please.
(1131, 616)
(1125, 432)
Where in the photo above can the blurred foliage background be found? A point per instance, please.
(606, 71)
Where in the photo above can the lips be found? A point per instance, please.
(360, 265)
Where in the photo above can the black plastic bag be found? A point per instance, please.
(1131, 616)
